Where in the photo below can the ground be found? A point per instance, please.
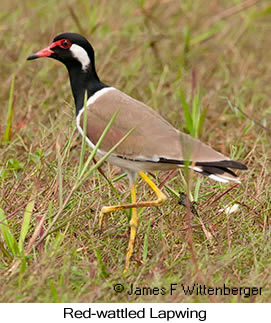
(213, 55)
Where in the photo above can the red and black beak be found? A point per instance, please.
(46, 52)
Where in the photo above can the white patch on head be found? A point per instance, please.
(81, 55)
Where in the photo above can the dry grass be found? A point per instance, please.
(149, 50)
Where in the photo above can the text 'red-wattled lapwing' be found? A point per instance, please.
(154, 143)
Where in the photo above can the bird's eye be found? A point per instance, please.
(65, 43)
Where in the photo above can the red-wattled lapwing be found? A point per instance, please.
(153, 145)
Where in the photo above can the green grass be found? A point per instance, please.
(180, 57)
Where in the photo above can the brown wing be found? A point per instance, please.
(153, 136)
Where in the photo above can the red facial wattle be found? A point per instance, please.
(47, 52)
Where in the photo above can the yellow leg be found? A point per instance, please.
(133, 228)
(161, 198)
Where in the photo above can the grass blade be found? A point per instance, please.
(103, 270)
(59, 173)
(99, 163)
(26, 222)
(187, 114)
(8, 236)
(202, 119)
(7, 133)
(98, 144)
(196, 114)
(208, 33)
(146, 236)
(83, 147)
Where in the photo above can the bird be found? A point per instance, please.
(153, 145)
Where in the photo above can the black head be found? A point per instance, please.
(77, 54)
(71, 49)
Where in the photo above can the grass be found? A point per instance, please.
(217, 56)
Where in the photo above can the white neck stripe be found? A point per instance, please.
(81, 55)
(99, 93)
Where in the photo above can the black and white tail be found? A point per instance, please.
(219, 170)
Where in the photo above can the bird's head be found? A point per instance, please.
(71, 49)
